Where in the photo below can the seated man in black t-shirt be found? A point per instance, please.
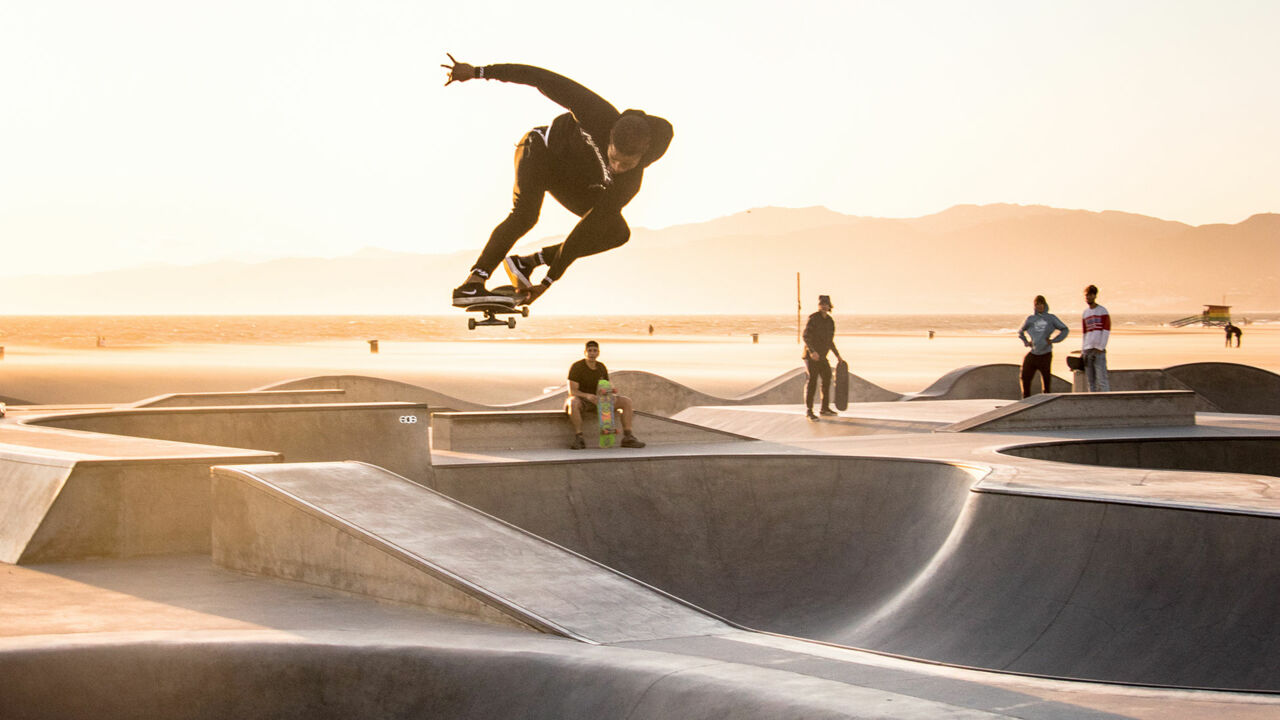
(583, 377)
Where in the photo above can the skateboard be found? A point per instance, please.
(606, 413)
(842, 385)
(493, 310)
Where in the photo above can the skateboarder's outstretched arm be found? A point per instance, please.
(587, 107)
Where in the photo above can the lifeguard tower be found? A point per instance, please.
(1211, 316)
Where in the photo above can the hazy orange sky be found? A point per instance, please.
(138, 131)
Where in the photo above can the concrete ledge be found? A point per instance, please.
(359, 528)
(1162, 408)
(542, 429)
(389, 434)
(1248, 455)
(58, 508)
(252, 397)
(1131, 380)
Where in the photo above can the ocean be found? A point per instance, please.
(157, 330)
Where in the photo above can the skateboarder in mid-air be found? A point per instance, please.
(591, 159)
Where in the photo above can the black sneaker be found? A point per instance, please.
(578, 443)
(474, 293)
(811, 416)
(631, 441)
(828, 412)
(519, 270)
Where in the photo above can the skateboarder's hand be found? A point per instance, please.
(533, 293)
(459, 71)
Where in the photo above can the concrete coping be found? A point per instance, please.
(541, 429)
(246, 397)
(224, 410)
(1061, 411)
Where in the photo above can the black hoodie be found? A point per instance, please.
(579, 139)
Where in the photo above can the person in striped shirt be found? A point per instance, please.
(1093, 348)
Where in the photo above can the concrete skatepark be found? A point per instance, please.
(317, 549)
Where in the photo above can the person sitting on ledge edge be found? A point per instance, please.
(584, 375)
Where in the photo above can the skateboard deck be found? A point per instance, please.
(842, 385)
(493, 310)
(607, 414)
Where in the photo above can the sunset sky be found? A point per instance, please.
(138, 131)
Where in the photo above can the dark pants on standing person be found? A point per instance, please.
(536, 175)
(1030, 365)
(818, 369)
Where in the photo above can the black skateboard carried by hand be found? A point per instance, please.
(842, 385)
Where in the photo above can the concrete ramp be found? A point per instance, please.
(1232, 387)
(996, 381)
(359, 528)
(1055, 411)
(67, 495)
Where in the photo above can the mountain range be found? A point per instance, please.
(967, 259)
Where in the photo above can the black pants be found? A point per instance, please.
(819, 368)
(536, 175)
(1030, 365)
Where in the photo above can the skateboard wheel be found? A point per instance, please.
(524, 312)
(471, 323)
(511, 322)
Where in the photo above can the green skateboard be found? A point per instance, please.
(607, 414)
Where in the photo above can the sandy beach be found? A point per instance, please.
(497, 369)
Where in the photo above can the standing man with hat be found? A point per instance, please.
(819, 339)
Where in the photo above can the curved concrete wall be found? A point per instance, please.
(798, 545)
(365, 389)
(1254, 456)
(652, 393)
(1232, 387)
(898, 556)
(1095, 591)
(322, 678)
(974, 382)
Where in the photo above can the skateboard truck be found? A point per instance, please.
(491, 311)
